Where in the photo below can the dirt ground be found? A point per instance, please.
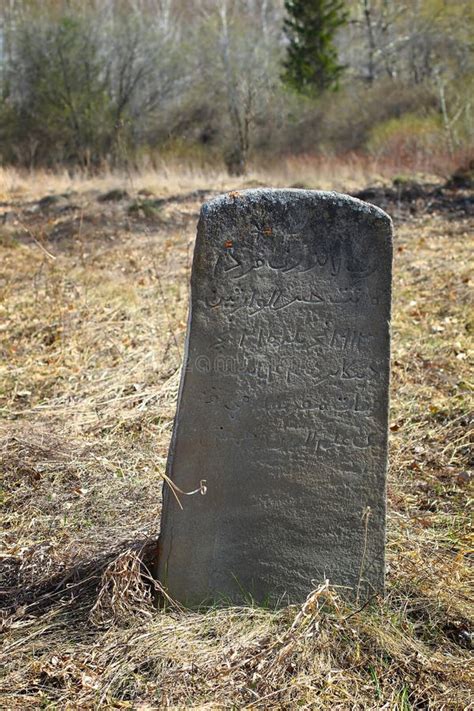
(93, 300)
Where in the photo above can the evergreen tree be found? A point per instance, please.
(311, 65)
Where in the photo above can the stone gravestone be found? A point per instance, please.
(283, 402)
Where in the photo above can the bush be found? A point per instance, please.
(56, 101)
(409, 140)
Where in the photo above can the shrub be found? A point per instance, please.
(409, 140)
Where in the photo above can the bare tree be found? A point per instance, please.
(245, 68)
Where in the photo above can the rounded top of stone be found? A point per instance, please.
(287, 195)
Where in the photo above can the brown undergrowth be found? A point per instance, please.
(93, 313)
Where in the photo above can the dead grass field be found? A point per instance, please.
(93, 299)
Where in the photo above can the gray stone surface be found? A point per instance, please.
(283, 402)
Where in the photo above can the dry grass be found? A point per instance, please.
(93, 306)
(346, 173)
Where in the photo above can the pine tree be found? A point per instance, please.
(311, 65)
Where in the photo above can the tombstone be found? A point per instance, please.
(282, 410)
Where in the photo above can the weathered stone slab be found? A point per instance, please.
(283, 402)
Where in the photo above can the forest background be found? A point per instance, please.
(131, 83)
